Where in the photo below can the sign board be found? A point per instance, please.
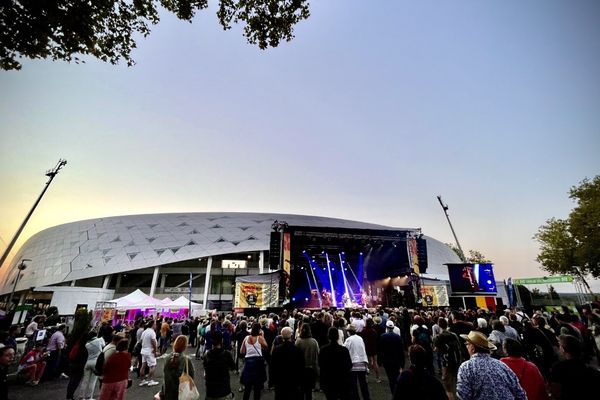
(177, 290)
(543, 280)
(233, 264)
(434, 296)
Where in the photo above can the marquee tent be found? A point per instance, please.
(183, 302)
(137, 300)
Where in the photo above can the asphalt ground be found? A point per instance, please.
(57, 389)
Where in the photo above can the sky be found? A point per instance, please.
(368, 114)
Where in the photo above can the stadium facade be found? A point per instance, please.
(157, 252)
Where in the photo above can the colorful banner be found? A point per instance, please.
(256, 295)
(413, 256)
(286, 252)
(435, 296)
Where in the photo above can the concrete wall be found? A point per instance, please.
(67, 298)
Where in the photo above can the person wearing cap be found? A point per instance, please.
(287, 364)
(483, 377)
(356, 346)
(391, 354)
(335, 365)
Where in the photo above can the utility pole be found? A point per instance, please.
(50, 174)
(445, 208)
(21, 268)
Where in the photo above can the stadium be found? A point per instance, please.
(104, 258)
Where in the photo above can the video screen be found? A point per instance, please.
(472, 278)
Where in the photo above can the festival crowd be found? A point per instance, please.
(425, 354)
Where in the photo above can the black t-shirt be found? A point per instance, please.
(574, 378)
(217, 364)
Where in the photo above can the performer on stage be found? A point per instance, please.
(346, 300)
(364, 299)
(469, 278)
(326, 298)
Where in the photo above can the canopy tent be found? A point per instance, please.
(183, 302)
(137, 300)
(166, 301)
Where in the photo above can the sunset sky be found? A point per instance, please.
(368, 114)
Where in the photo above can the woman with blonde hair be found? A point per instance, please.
(175, 365)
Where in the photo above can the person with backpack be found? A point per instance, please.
(116, 371)
(422, 336)
(448, 346)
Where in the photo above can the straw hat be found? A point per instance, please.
(479, 339)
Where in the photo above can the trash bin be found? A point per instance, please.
(21, 344)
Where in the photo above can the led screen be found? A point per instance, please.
(472, 278)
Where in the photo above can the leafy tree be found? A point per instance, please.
(572, 245)
(475, 256)
(552, 293)
(107, 29)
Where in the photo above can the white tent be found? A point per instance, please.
(166, 301)
(183, 302)
(137, 299)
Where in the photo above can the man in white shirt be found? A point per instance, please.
(356, 347)
(148, 353)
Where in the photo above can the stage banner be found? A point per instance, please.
(257, 291)
(413, 255)
(286, 252)
(256, 295)
(435, 296)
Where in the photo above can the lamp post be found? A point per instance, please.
(21, 267)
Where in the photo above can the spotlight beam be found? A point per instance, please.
(330, 280)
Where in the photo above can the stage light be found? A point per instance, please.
(293, 299)
(306, 299)
(360, 253)
(343, 252)
(303, 251)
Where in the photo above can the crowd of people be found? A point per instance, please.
(429, 354)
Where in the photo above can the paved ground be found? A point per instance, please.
(57, 389)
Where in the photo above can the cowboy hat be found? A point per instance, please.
(479, 339)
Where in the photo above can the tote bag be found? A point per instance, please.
(187, 387)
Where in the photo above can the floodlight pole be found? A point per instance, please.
(50, 174)
(445, 208)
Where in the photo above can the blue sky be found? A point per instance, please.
(368, 114)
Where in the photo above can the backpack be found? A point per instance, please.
(99, 367)
(453, 356)
(422, 337)
(74, 351)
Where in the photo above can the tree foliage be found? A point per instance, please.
(572, 245)
(107, 29)
(475, 256)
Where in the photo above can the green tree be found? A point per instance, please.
(475, 256)
(107, 29)
(552, 293)
(572, 245)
